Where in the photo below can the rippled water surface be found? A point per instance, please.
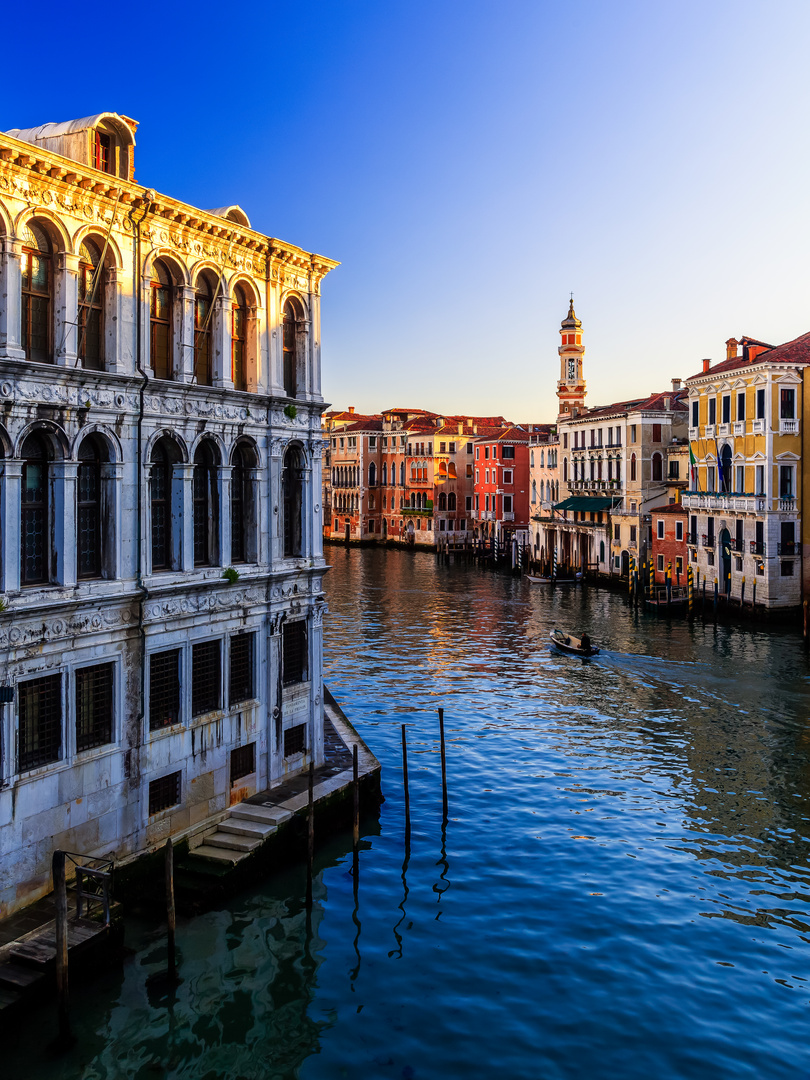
(621, 889)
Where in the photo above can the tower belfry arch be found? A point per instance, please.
(571, 383)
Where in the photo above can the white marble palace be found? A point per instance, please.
(160, 538)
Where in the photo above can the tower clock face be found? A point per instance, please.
(572, 370)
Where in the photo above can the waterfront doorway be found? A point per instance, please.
(725, 559)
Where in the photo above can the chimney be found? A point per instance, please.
(461, 429)
(676, 385)
(706, 365)
(475, 429)
(667, 402)
(351, 408)
(731, 348)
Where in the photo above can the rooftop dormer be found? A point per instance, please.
(105, 142)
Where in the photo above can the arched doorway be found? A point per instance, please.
(725, 557)
(625, 564)
(725, 464)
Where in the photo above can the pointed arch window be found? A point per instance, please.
(160, 493)
(657, 467)
(203, 314)
(36, 294)
(243, 513)
(90, 346)
(293, 491)
(35, 516)
(632, 467)
(206, 510)
(160, 321)
(88, 538)
(239, 314)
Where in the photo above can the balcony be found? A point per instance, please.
(789, 548)
(788, 427)
(758, 427)
(723, 431)
(692, 540)
(710, 431)
(787, 504)
(694, 433)
(739, 427)
(714, 500)
(508, 515)
(736, 545)
(707, 541)
(757, 547)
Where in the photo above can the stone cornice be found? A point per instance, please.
(54, 182)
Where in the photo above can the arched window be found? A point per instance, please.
(725, 462)
(160, 494)
(239, 339)
(384, 480)
(618, 469)
(293, 491)
(402, 474)
(35, 517)
(442, 501)
(372, 475)
(206, 508)
(243, 516)
(90, 346)
(451, 501)
(565, 470)
(37, 291)
(632, 466)
(203, 315)
(89, 561)
(657, 469)
(290, 350)
(160, 321)
(601, 551)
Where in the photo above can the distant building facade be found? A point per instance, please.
(160, 368)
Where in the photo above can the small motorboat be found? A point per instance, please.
(570, 644)
(539, 580)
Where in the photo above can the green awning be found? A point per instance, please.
(587, 503)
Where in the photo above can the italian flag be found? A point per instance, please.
(693, 473)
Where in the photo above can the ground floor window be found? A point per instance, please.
(94, 706)
(294, 652)
(660, 562)
(205, 677)
(240, 687)
(678, 565)
(295, 740)
(164, 689)
(164, 793)
(40, 719)
(243, 762)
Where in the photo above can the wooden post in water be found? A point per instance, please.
(311, 832)
(171, 920)
(60, 903)
(804, 619)
(742, 594)
(405, 786)
(356, 785)
(444, 764)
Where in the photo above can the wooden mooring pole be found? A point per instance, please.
(171, 919)
(405, 785)
(444, 764)
(60, 903)
(311, 832)
(356, 789)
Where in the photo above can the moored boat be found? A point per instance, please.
(571, 644)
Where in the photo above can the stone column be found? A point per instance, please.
(116, 281)
(223, 375)
(10, 298)
(318, 510)
(66, 309)
(183, 515)
(258, 522)
(145, 316)
(184, 339)
(10, 503)
(277, 447)
(65, 474)
(224, 495)
(315, 315)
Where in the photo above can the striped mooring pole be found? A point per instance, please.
(742, 593)
(652, 578)
(554, 565)
(690, 588)
(669, 582)
(631, 568)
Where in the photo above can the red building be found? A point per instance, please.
(669, 525)
(502, 483)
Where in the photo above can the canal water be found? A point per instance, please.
(621, 888)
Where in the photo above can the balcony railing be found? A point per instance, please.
(694, 433)
(508, 515)
(788, 427)
(758, 427)
(707, 540)
(757, 547)
(723, 430)
(710, 432)
(787, 503)
(735, 544)
(692, 539)
(791, 547)
(739, 427)
(714, 500)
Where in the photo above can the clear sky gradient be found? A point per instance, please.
(471, 163)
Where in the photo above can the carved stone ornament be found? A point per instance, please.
(23, 633)
(224, 600)
(52, 394)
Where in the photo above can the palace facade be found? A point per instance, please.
(160, 503)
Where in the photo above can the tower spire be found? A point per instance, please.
(571, 384)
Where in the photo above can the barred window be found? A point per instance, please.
(94, 706)
(164, 793)
(161, 499)
(40, 736)
(295, 740)
(240, 687)
(164, 689)
(206, 509)
(88, 530)
(243, 761)
(35, 512)
(205, 677)
(294, 652)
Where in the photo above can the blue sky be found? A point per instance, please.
(470, 164)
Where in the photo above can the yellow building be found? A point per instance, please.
(747, 422)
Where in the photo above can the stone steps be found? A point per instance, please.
(236, 826)
(270, 815)
(220, 855)
(229, 842)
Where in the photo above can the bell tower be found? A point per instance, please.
(571, 384)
